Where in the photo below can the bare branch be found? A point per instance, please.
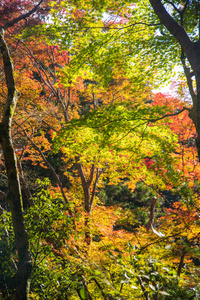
(183, 11)
(101, 289)
(85, 185)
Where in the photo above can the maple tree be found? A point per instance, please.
(87, 119)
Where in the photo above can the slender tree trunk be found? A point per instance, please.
(196, 115)
(86, 190)
(152, 212)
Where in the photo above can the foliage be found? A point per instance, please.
(118, 216)
(115, 134)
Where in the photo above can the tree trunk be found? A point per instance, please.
(192, 51)
(20, 281)
(86, 190)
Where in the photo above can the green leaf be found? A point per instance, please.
(83, 294)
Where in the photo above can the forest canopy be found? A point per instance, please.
(99, 174)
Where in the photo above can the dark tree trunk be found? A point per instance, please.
(14, 199)
(20, 281)
(18, 285)
(192, 51)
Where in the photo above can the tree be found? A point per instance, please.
(89, 92)
(180, 17)
(19, 283)
(105, 143)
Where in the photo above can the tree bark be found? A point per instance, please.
(20, 281)
(152, 212)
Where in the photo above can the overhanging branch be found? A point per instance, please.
(21, 17)
(169, 115)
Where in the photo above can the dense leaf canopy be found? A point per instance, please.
(99, 175)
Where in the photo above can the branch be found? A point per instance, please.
(24, 184)
(174, 28)
(158, 192)
(45, 78)
(98, 174)
(85, 184)
(162, 239)
(88, 297)
(43, 121)
(174, 6)
(181, 262)
(99, 286)
(152, 212)
(185, 6)
(21, 17)
(52, 170)
(146, 294)
(80, 169)
(124, 27)
(183, 11)
(169, 115)
(91, 175)
(38, 67)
